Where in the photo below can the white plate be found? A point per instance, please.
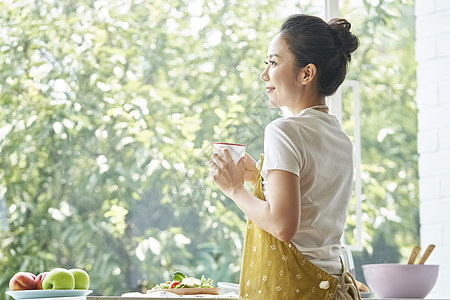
(228, 287)
(36, 294)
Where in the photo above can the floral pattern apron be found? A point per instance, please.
(272, 269)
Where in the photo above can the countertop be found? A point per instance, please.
(205, 298)
(149, 297)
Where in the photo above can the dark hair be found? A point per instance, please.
(326, 45)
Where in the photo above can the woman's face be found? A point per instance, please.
(282, 86)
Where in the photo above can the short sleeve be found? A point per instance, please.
(281, 147)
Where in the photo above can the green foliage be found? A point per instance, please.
(385, 67)
(108, 112)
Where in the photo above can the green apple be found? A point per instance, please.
(59, 279)
(81, 279)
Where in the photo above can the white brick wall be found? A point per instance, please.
(433, 141)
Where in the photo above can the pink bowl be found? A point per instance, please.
(400, 280)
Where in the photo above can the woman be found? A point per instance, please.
(292, 244)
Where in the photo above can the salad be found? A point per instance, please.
(180, 280)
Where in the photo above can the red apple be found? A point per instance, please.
(39, 279)
(22, 281)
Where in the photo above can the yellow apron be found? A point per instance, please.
(272, 269)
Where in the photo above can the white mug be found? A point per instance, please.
(236, 151)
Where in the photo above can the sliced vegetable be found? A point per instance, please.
(163, 285)
(207, 283)
(181, 281)
(173, 284)
(191, 282)
(178, 276)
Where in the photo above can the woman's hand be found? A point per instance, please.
(251, 170)
(226, 174)
(280, 213)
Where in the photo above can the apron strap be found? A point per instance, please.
(257, 188)
(346, 288)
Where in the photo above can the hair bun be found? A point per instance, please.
(348, 41)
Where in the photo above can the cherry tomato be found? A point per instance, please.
(173, 284)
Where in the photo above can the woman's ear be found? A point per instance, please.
(307, 74)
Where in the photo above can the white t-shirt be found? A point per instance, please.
(313, 146)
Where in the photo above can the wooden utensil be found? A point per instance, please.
(426, 254)
(412, 258)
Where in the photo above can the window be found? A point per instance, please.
(108, 112)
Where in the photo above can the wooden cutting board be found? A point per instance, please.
(189, 291)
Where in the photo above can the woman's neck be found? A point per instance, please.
(314, 102)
